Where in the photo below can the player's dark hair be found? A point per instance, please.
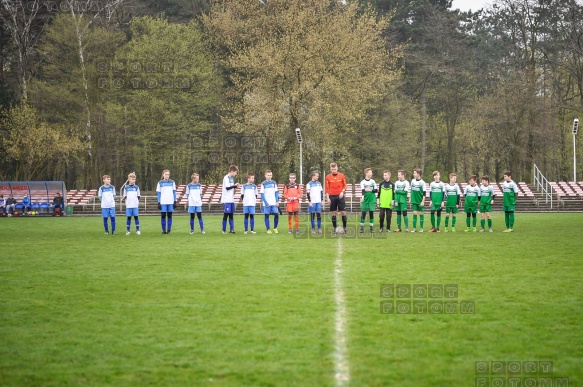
(105, 176)
(314, 173)
(292, 174)
(268, 171)
(402, 171)
(474, 177)
(193, 175)
(233, 168)
(418, 170)
(486, 177)
(507, 173)
(332, 165)
(249, 174)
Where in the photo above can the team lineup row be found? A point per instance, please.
(388, 196)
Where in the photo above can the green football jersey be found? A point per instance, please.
(417, 191)
(471, 194)
(453, 193)
(401, 190)
(510, 189)
(370, 189)
(386, 190)
(487, 194)
(437, 192)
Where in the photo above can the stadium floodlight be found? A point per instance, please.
(575, 130)
(300, 141)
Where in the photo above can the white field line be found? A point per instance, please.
(341, 366)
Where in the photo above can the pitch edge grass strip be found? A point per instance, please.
(341, 366)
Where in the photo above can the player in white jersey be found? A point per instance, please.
(106, 194)
(194, 195)
(315, 195)
(249, 198)
(131, 193)
(166, 190)
(228, 198)
(270, 199)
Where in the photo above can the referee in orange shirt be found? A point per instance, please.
(335, 189)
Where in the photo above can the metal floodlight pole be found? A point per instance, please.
(300, 141)
(575, 130)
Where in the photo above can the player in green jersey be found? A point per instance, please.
(472, 195)
(385, 199)
(486, 201)
(417, 199)
(402, 188)
(452, 202)
(510, 191)
(437, 195)
(368, 200)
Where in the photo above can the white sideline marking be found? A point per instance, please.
(341, 367)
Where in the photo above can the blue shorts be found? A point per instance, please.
(194, 209)
(167, 208)
(270, 210)
(316, 208)
(249, 210)
(228, 208)
(131, 212)
(108, 212)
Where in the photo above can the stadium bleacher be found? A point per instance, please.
(211, 195)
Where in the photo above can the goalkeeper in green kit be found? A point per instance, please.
(385, 199)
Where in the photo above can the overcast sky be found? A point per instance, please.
(474, 5)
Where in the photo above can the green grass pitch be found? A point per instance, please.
(81, 308)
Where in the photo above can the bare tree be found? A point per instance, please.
(83, 20)
(21, 19)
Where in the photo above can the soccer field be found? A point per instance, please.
(79, 307)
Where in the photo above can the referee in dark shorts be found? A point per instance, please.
(335, 189)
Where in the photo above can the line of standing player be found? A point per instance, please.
(387, 196)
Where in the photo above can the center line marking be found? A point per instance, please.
(341, 367)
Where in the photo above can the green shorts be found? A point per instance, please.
(508, 208)
(485, 207)
(471, 210)
(436, 207)
(417, 207)
(367, 206)
(400, 206)
(451, 210)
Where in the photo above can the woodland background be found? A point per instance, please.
(99, 87)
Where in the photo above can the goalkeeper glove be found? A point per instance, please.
(174, 206)
(159, 206)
